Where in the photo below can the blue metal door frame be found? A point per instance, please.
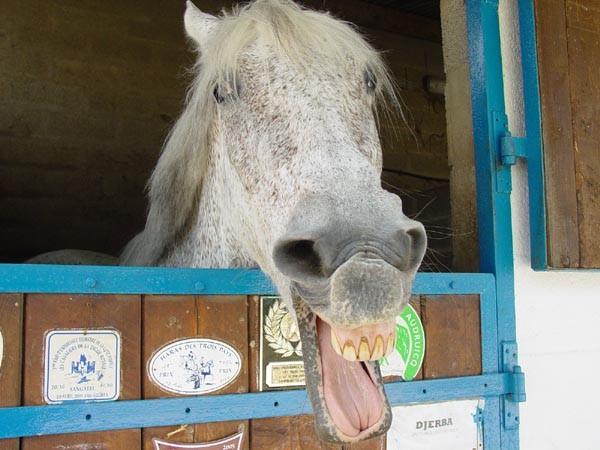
(501, 383)
(493, 179)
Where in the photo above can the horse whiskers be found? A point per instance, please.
(418, 214)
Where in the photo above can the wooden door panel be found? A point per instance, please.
(166, 318)
(568, 51)
(171, 318)
(453, 334)
(45, 312)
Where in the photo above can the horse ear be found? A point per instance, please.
(198, 25)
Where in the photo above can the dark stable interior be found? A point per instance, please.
(92, 90)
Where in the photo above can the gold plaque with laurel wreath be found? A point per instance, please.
(281, 364)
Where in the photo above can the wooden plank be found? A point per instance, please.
(583, 29)
(165, 318)
(298, 433)
(225, 319)
(168, 318)
(254, 342)
(287, 433)
(557, 131)
(453, 337)
(48, 312)
(379, 443)
(11, 323)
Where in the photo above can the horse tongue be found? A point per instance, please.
(352, 398)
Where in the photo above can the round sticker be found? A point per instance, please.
(407, 358)
(194, 366)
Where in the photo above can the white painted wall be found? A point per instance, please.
(558, 314)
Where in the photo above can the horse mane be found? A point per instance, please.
(305, 38)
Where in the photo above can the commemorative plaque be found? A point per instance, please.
(194, 366)
(281, 364)
(229, 443)
(82, 364)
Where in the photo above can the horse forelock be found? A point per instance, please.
(306, 38)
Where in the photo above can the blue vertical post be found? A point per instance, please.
(533, 127)
(493, 185)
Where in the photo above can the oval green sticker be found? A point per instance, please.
(407, 358)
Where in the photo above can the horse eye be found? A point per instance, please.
(226, 91)
(218, 97)
(370, 80)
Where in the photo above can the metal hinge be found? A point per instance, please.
(516, 386)
(512, 148)
(508, 148)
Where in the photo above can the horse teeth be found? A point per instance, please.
(364, 343)
(335, 344)
(364, 352)
(391, 343)
(377, 348)
(349, 351)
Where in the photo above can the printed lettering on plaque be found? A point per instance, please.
(82, 364)
(194, 366)
(281, 363)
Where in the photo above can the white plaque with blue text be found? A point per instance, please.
(82, 365)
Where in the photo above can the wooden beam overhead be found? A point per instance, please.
(367, 15)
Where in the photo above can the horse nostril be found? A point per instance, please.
(418, 244)
(297, 259)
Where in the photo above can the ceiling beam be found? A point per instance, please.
(367, 15)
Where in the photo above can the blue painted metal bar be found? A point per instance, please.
(33, 278)
(84, 417)
(490, 347)
(492, 418)
(493, 199)
(533, 126)
(493, 186)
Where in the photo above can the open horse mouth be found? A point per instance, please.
(348, 285)
(343, 377)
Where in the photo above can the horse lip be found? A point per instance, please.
(367, 250)
(325, 428)
(318, 287)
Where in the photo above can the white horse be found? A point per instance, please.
(275, 162)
